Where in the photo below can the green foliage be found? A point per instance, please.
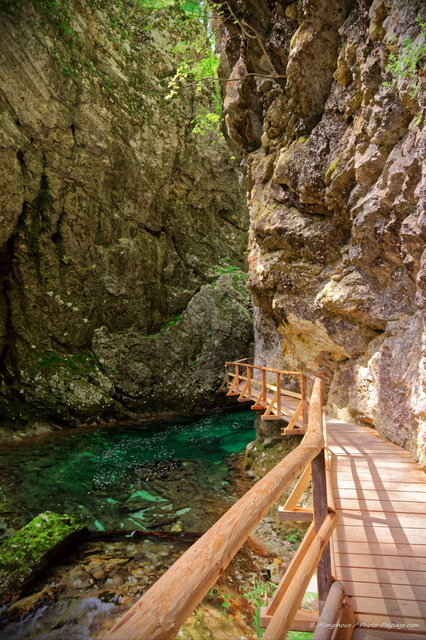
(127, 20)
(49, 362)
(9, 6)
(299, 635)
(165, 326)
(170, 323)
(223, 598)
(191, 364)
(405, 64)
(187, 6)
(294, 533)
(259, 595)
(23, 554)
(206, 121)
(238, 276)
(225, 604)
(56, 11)
(199, 62)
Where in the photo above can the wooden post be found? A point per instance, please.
(319, 494)
(345, 624)
(249, 381)
(337, 620)
(304, 394)
(263, 396)
(237, 376)
(278, 394)
(330, 613)
(320, 505)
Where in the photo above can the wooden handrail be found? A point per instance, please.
(273, 407)
(159, 613)
(330, 613)
(243, 361)
(268, 386)
(252, 366)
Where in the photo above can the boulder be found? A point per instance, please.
(34, 548)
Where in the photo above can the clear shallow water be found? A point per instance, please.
(158, 477)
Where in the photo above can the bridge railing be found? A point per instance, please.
(268, 389)
(161, 611)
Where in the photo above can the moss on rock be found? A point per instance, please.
(33, 548)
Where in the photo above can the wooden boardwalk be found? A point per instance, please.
(379, 545)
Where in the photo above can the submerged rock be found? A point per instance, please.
(33, 548)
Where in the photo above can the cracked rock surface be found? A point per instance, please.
(113, 212)
(336, 189)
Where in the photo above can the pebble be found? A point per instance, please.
(99, 574)
(117, 580)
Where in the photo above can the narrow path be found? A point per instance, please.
(379, 546)
(379, 492)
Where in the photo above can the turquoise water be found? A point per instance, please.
(155, 476)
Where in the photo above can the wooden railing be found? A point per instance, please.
(159, 613)
(264, 387)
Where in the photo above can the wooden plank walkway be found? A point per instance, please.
(379, 492)
(379, 545)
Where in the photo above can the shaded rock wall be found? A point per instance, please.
(336, 188)
(113, 212)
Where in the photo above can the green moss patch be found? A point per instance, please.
(34, 548)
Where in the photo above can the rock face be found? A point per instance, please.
(113, 211)
(334, 142)
(182, 365)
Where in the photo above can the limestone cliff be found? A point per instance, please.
(113, 215)
(332, 128)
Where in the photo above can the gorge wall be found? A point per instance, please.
(334, 146)
(113, 216)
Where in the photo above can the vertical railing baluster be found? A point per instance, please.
(278, 393)
(263, 396)
(304, 394)
(249, 381)
(237, 376)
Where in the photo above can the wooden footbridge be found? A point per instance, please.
(366, 541)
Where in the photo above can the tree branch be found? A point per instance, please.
(189, 84)
(253, 35)
(131, 14)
